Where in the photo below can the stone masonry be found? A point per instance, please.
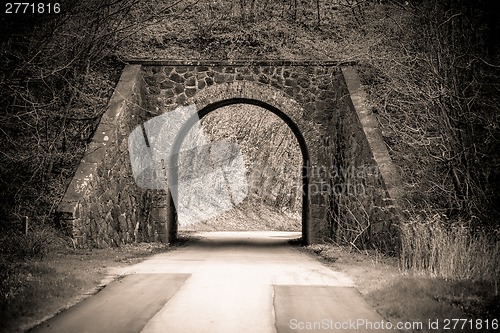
(102, 205)
(312, 98)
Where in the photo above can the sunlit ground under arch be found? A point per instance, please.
(272, 159)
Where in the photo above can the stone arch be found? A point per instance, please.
(105, 205)
(307, 132)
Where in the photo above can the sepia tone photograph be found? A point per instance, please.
(249, 166)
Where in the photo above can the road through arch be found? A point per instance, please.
(173, 175)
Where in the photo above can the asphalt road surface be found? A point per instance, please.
(251, 282)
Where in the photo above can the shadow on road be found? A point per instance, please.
(240, 240)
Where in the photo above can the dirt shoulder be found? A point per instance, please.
(36, 290)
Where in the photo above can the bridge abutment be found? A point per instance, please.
(322, 103)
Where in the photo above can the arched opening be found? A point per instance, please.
(173, 176)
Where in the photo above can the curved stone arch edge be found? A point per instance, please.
(264, 93)
(207, 109)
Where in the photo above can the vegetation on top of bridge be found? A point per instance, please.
(238, 62)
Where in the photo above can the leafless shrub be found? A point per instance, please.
(435, 83)
(356, 8)
(52, 97)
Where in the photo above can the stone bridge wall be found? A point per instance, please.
(363, 208)
(104, 206)
(313, 87)
(306, 94)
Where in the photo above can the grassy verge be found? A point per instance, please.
(35, 289)
(407, 297)
(422, 298)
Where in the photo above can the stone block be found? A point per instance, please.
(290, 83)
(219, 78)
(167, 84)
(191, 82)
(156, 69)
(303, 81)
(167, 70)
(181, 99)
(190, 92)
(179, 88)
(263, 79)
(176, 78)
(169, 93)
(327, 95)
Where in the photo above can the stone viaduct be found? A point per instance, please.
(350, 186)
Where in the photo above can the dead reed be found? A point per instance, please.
(452, 251)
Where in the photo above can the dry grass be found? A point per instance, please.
(420, 299)
(450, 251)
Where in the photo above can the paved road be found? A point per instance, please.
(227, 282)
